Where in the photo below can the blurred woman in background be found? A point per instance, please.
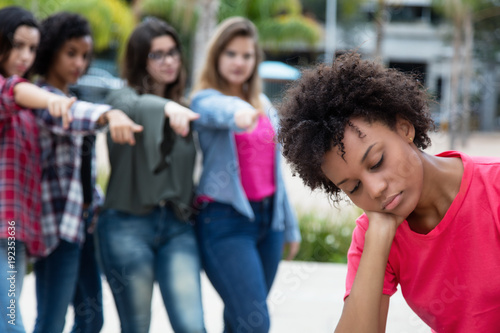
(20, 173)
(144, 232)
(245, 217)
(68, 272)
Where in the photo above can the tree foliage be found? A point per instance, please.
(111, 20)
(278, 21)
(486, 18)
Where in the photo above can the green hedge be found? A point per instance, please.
(327, 239)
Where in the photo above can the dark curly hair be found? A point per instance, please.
(317, 108)
(56, 30)
(12, 18)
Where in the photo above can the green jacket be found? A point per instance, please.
(158, 169)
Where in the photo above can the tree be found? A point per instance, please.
(456, 11)
(462, 13)
(380, 23)
(205, 28)
(278, 21)
(111, 20)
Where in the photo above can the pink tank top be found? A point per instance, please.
(256, 152)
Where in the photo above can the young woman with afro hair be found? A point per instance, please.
(431, 224)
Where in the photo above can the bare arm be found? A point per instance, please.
(179, 117)
(246, 118)
(32, 97)
(366, 308)
(121, 127)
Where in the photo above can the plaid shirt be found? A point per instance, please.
(61, 150)
(20, 171)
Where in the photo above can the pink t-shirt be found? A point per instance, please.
(256, 153)
(450, 277)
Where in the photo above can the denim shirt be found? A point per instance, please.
(220, 178)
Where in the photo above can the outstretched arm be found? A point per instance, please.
(32, 97)
(121, 127)
(366, 308)
(219, 111)
(180, 117)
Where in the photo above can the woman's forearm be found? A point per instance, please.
(30, 96)
(362, 308)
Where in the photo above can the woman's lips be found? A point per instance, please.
(21, 69)
(169, 73)
(392, 202)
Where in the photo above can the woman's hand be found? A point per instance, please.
(60, 106)
(121, 127)
(291, 249)
(179, 117)
(384, 222)
(246, 118)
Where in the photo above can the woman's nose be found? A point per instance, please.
(26, 53)
(375, 185)
(81, 62)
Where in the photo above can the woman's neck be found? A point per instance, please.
(236, 91)
(57, 83)
(159, 89)
(442, 179)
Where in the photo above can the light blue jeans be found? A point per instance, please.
(137, 250)
(11, 283)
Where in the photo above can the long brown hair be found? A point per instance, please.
(210, 77)
(136, 56)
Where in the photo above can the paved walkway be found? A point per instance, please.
(307, 297)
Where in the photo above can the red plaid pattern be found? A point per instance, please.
(20, 172)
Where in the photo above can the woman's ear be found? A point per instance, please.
(405, 129)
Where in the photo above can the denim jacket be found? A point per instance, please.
(220, 178)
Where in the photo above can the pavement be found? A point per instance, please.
(306, 297)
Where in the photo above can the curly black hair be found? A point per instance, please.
(317, 108)
(56, 30)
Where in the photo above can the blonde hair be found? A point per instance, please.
(210, 77)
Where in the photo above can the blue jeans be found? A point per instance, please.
(240, 257)
(87, 301)
(11, 283)
(137, 250)
(56, 277)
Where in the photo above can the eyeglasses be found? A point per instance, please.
(160, 56)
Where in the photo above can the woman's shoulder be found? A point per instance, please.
(264, 99)
(8, 83)
(203, 93)
(119, 95)
(47, 86)
(124, 91)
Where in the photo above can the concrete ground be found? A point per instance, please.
(306, 297)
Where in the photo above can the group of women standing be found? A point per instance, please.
(154, 224)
